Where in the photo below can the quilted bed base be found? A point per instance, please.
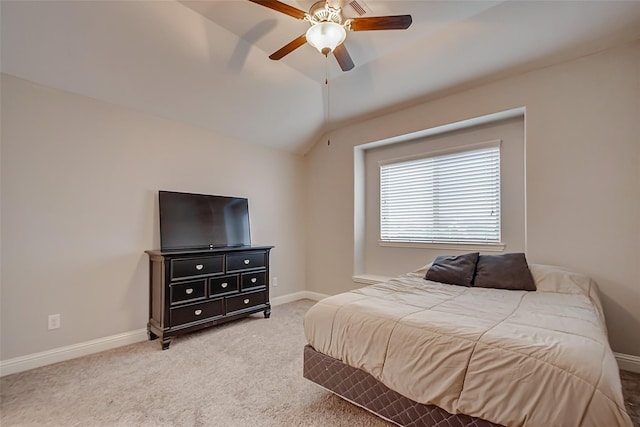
(364, 390)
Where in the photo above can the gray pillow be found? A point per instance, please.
(453, 270)
(506, 271)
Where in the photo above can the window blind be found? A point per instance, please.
(445, 198)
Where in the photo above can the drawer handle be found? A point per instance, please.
(199, 267)
(224, 285)
(198, 312)
(189, 291)
(247, 261)
(246, 301)
(254, 280)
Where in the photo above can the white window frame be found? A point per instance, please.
(483, 246)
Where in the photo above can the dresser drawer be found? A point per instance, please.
(189, 267)
(223, 285)
(243, 301)
(195, 312)
(186, 291)
(252, 280)
(246, 261)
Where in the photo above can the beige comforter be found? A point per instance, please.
(511, 357)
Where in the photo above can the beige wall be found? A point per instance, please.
(582, 129)
(79, 179)
(79, 206)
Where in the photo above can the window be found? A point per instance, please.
(445, 197)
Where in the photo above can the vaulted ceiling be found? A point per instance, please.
(206, 63)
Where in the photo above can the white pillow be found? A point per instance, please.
(550, 278)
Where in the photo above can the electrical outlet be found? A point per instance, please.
(274, 281)
(54, 321)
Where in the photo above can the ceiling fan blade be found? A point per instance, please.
(343, 57)
(398, 22)
(288, 48)
(281, 7)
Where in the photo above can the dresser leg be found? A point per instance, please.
(267, 313)
(151, 335)
(166, 342)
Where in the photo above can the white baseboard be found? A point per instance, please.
(628, 362)
(297, 296)
(316, 296)
(36, 360)
(31, 361)
(369, 279)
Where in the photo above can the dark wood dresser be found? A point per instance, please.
(195, 289)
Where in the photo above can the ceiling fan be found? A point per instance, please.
(329, 28)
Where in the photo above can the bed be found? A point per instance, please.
(420, 352)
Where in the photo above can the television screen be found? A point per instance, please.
(196, 221)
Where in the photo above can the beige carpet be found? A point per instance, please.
(245, 373)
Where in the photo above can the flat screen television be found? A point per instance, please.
(200, 221)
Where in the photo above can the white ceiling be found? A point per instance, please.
(206, 63)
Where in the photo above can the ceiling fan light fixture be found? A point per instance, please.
(326, 36)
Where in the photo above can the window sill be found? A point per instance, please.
(484, 247)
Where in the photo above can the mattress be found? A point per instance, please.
(513, 358)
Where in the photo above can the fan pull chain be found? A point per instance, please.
(326, 83)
